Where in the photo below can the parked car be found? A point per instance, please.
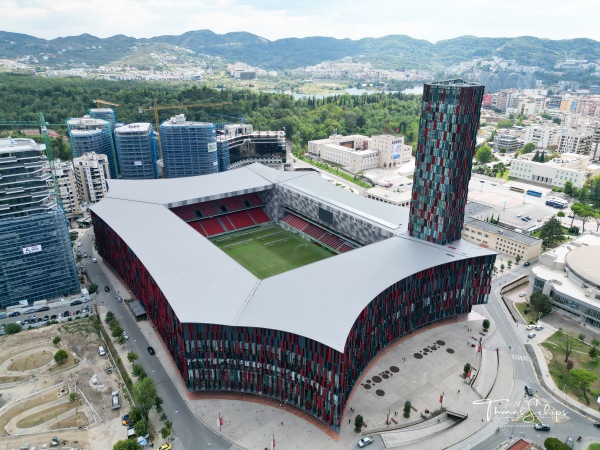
(75, 302)
(365, 441)
(54, 442)
(14, 314)
(85, 255)
(79, 244)
(539, 327)
(119, 298)
(542, 427)
(32, 318)
(43, 308)
(2, 316)
(46, 318)
(53, 317)
(30, 311)
(94, 260)
(522, 294)
(531, 335)
(528, 217)
(570, 441)
(165, 447)
(151, 351)
(526, 264)
(125, 335)
(530, 327)
(528, 391)
(66, 314)
(79, 254)
(106, 289)
(597, 424)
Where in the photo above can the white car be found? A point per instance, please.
(539, 327)
(522, 294)
(125, 335)
(94, 260)
(530, 327)
(365, 441)
(79, 244)
(531, 335)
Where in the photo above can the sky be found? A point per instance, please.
(432, 20)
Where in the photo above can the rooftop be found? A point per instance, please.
(584, 262)
(497, 229)
(170, 249)
(134, 127)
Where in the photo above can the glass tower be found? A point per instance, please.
(107, 114)
(93, 135)
(445, 150)
(36, 257)
(188, 148)
(136, 149)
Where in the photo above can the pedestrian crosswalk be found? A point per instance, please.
(520, 357)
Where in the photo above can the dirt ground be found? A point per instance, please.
(29, 379)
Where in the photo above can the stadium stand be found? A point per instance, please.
(241, 219)
(259, 216)
(212, 227)
(316, 233)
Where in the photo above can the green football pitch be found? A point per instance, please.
(269, 249)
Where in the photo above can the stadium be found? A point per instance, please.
(280, 284)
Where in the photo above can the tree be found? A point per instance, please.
(518, 259)
(132, 356)
(12, 328)
(551, 232)
(583, 379)
(110, 316)
(536, 157)
(61, 357)
(509, 263)
(127, 444)
(566, 342)
(92, 287)
(568, 188)
(486, 326)
(165, 432)
(583, 211)
(484, 154)
(407, 408)
(501, 267)
(560, 214)
(541, 303)
(139, 372)
(158, 404)
(466, 368)
(144, 393)
(593, 353)
(595, 342)
(117, 331)
(554, 443)
(528, 148)
(358, 422)
(56, 340)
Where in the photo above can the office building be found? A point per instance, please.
(89, 135)
(445, 149)
(188, 148)
(107, 114)
(136, 151)
(91, 172)
(556, 172)
(36, 259)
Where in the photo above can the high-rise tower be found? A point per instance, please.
(445, 150)
(136, 148)
(188, 148)
(93, 135)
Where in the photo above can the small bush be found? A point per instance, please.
(61, 357)
(12, 328)
(486, 324)
(358, 422)
(56, 340)
(72, 396)
(581, 337)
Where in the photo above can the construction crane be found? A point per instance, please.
(43, 126)
(103, 102)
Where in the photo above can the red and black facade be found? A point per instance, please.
(288, 367)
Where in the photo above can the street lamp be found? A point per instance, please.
(482, 182)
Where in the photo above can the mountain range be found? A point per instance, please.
(394, 52)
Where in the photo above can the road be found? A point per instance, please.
(190, 433)
(508, 334)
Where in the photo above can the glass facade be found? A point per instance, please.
(107, 114)
(223, 155)
(188, 148)
(36, 258)
(136, 149)
(445, 150)
(93, 135)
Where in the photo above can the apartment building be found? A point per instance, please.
(575, 141)
(67, 184)
(569, 167)
(91, 172)
(539, 135)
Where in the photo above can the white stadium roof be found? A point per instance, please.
(203, 284)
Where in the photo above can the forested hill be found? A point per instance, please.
(388, 52)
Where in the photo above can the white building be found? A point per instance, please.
(357, 153)
(570, 276)
(91, 173)
(393, 198)
(539, 135)
(569, 167)
(575, 141)
(67, 184)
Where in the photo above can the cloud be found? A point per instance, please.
(274, 19)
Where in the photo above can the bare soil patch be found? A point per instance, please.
(15, 379)
(33, 402)
(76, 420)
(31, 361)
(47, 414)
(70, 362)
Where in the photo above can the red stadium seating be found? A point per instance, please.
(318, 234)
(212, 227)
(198, 227)
(259, 216)
(240, 219)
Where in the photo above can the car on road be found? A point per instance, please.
(527, 264)
(54, 442)
(125, 335)
(531, 335)
(30, 318)
(542, 427)
(14, 314)
(519, 215)
(79, 254)
(365, 441)
(94, 260)
(530, 327)
(528, 391)
(151, 351)
(43, 308)
(522, 294)
(106, 289)
(79, 244)
(528, 217)
(2, 316)
(119, 298)
(75, 302)
(570, 441)
(165, 447)
(597, 424)
(539, 327)
(85, 255)
(30, 311)
(493, 184)
(66, 313)
(46, 318)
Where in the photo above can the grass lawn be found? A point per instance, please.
(531, 316)
(581, 360)
(594, 447)
(269, 250)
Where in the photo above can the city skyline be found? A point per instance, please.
(276, 20)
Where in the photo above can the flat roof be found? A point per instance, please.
(509, 234)
(132, 127)
(192, 272)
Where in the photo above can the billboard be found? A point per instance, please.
(212, 147)
(396, 151)
(32, 249)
